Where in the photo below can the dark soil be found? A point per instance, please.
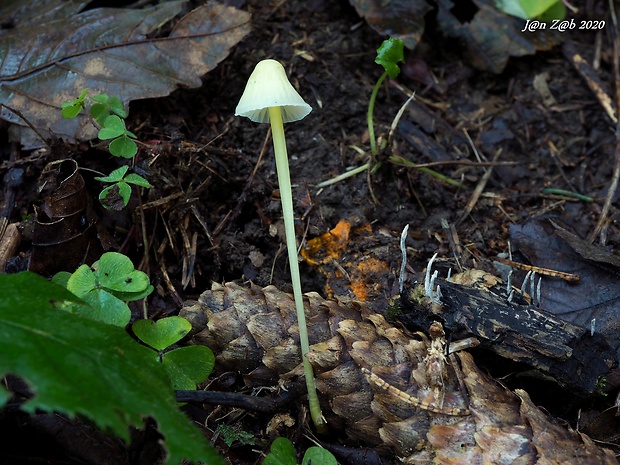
(217, 171)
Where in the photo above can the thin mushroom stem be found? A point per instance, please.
(286, 196)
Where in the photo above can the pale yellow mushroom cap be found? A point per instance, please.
(267, 87)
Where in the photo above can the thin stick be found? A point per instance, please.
(412, 400)
(613, 185)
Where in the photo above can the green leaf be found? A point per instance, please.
(99, 112)
(77, 366)
(525, 9)
(123, 147)
(124, 191)
(114, 176)
(61, 278)
(282, 452)
(133, 178)
(115, 272)
(104, 307)
(73, 108)
(161, 334)
(104, 193)
(82, 281)
(116, 107)
(113, 127)
(318, 456)
(131, 296)
(188, 366)
(102, 98)
(556, 11)
(71, 111)
(389, 54)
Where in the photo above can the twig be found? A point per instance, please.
(613, 185)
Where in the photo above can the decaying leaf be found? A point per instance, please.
(106, 50)
(594, 297)
(490, 36)
(400, 19)
(63, 226)
(253, 331)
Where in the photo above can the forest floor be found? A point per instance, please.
(502, 139)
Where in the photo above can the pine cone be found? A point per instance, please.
(409, 401)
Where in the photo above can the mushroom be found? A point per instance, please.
(269, 97)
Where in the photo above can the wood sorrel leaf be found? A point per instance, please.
(188, 366)
(162, 333)
(123, 146)
(114, 127)
(115, 272)
(114, 176)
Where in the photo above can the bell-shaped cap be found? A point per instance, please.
(267, 87)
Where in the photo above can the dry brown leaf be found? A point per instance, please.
(110, 51)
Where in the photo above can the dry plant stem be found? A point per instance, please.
(286, 196)
(613, 185)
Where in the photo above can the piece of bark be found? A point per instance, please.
(475, 303)
(346, 338)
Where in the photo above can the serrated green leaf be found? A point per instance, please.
(282, 452)
(161, 334)
(114, 176)
(123, 147)
(115, 272)
(133, 178)
(77, 366)
(188, 366)
(389, 54)
(318, 456)
(113, 127)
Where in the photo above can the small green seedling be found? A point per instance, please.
(70, 110)
(109, 197)
(106, 286)
(269, 97)
(105, 106)
(282, 452)
(389, 54)
(109, 114)
(186, 366)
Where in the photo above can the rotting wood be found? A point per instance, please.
(253, 331)
(475, 303)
